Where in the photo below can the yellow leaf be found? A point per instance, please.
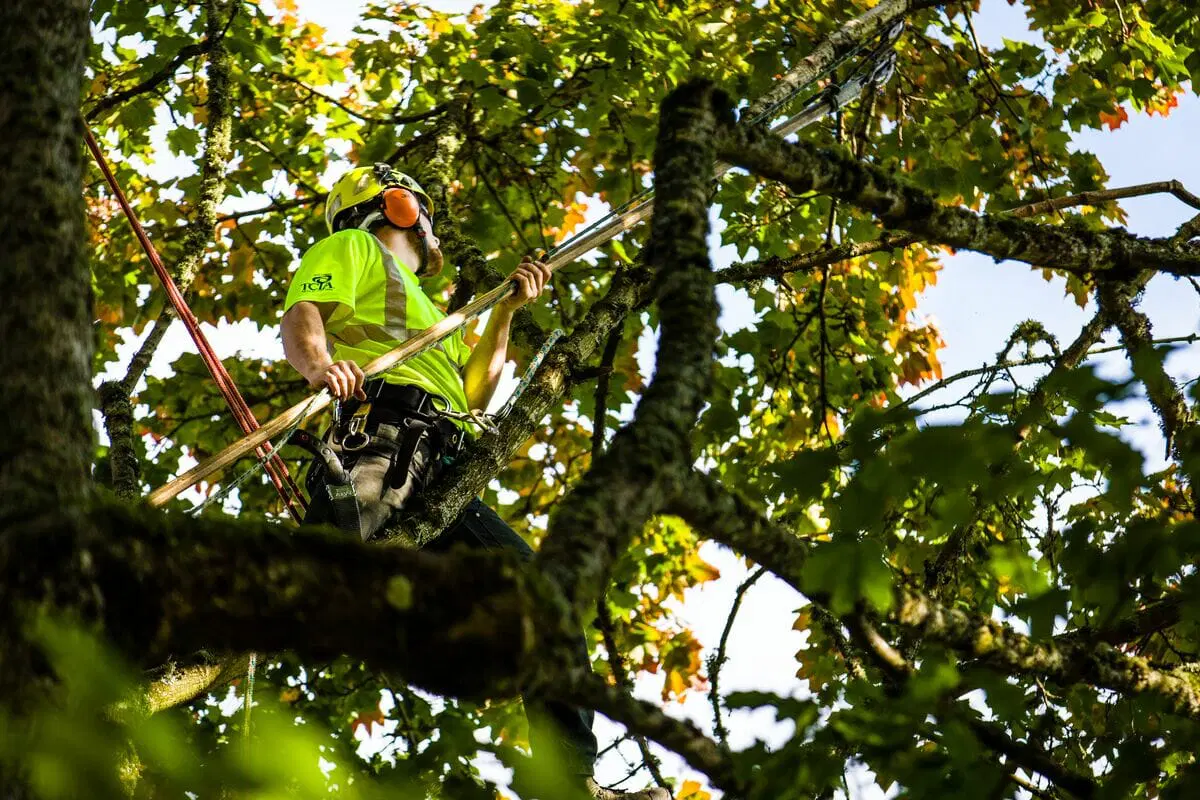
(690, 790)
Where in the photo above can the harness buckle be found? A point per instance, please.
(355, 438)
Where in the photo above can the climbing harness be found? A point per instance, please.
(875, 69)
(383, 450)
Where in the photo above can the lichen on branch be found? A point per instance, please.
(901, 206)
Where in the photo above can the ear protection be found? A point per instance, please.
(401, 207)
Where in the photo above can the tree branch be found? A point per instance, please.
(723, 516)
(150, 84)
(198, 236)
(805, 168)
(439, 504)
(124, 468)
(851, 35)
(993, 643)
(775, 267)
(1146, 620)
(1118, 301)
(589, 690)
(652, 455)
(1172, 187)
(168, 582)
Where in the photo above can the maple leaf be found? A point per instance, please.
(1114, 119)
(1164, 106)
(814, 667)
(368, 720)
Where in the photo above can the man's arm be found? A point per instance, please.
(303, 331)
(482, 371)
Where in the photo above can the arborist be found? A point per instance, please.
(357, 295)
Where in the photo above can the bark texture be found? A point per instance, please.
(45, 363)
(904, 207)
(649, 458)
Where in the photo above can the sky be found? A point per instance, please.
(976, 303)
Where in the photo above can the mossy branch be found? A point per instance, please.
(115, 396)
(648, 458)
(723, 516)
(904, 207)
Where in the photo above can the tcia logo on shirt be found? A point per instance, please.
(319, 283)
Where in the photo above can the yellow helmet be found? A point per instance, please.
(365, 184)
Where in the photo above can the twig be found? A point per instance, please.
(600, 414)
(620, 673)
(1024, 362)
(280, 205)
(718, 661)
(1171, 187)
(393, 119)
(500, 204)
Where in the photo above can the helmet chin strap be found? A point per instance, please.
(376, 217)
(424, 240)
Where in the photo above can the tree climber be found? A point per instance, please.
(355, 297)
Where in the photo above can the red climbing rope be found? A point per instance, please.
(276, 468)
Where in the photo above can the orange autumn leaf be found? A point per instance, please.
(368, 720)
(1164, 106)
(1114, 120)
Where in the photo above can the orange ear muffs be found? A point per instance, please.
(401, 207)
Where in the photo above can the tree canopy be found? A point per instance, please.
(997, 606)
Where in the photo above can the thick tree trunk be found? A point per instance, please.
(45, 361)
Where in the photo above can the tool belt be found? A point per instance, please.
(378, 455)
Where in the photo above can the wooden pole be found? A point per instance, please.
(429, 337)
(418, 344)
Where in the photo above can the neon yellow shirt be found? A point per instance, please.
(379, 305)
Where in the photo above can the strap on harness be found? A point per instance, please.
(343, 498)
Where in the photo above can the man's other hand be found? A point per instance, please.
(344, 379)
(531, 278)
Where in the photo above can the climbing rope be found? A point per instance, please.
(530, 371)
(266, 453)
(276, 468)
(251, 668)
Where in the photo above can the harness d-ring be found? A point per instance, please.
(355, 439)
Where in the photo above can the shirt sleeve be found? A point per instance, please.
(330, 272)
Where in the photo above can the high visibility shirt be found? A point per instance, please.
(379, 305)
